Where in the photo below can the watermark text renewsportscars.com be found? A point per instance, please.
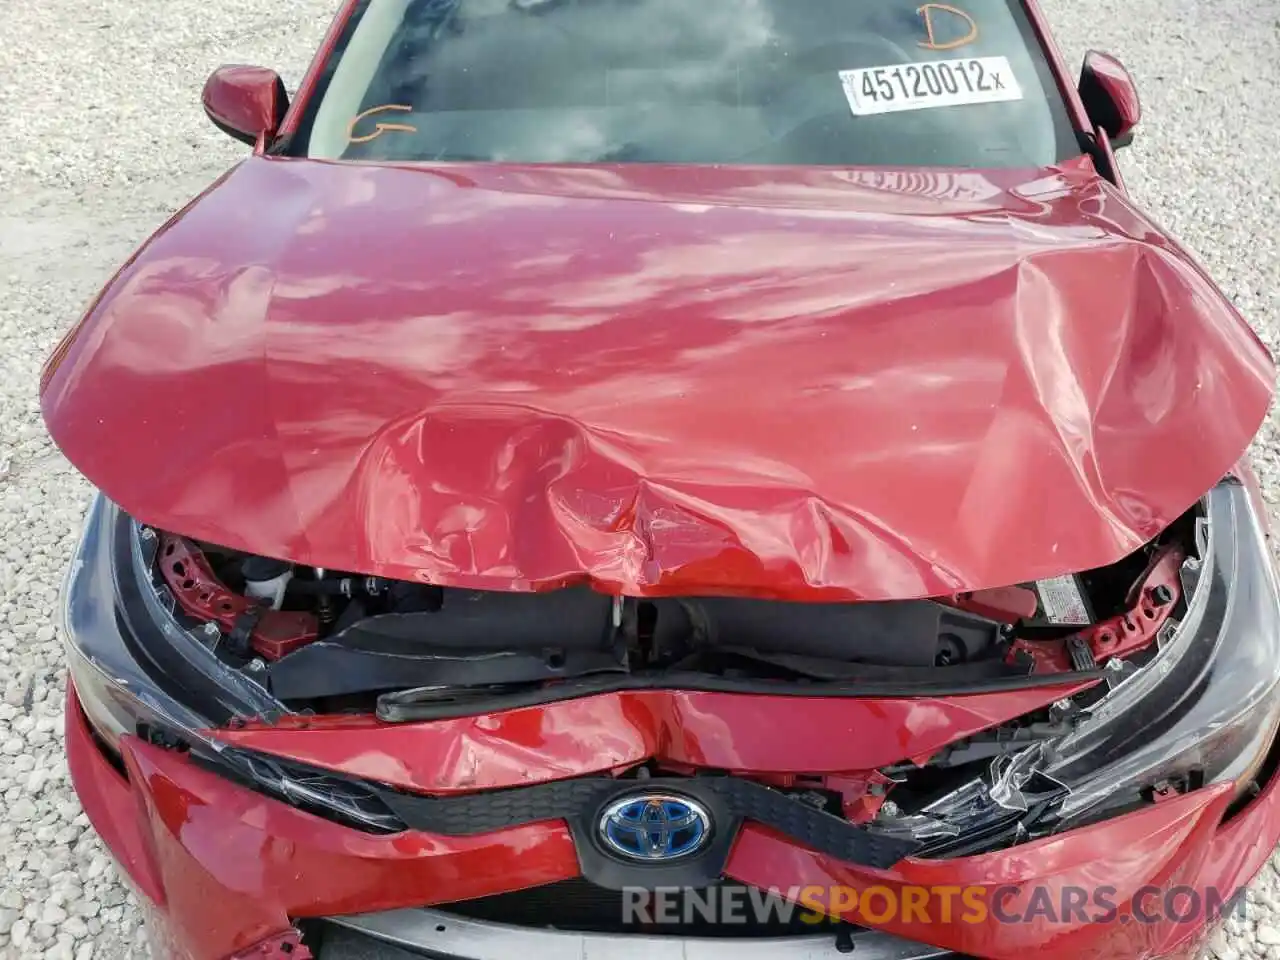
(1007, 904)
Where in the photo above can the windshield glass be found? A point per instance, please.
(833, 82)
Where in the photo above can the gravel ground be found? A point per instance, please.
(104, 137)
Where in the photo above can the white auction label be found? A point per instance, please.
(936, 83)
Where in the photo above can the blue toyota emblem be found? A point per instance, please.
(654, 827)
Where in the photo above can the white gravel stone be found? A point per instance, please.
(21, 810)
(7, 919)
(104, 137)
(18, 935)
(85, 908)
(75, 927)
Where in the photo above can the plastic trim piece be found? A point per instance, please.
(879, 681)
(730, 800)
(445, 935)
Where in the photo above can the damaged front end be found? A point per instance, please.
(1004, 715)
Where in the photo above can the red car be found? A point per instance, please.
(617, 478)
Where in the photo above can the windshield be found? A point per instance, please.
(832, 82)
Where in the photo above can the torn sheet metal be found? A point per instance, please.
(789, 383)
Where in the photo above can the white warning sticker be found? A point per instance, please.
(936, 83)
(1062, 601)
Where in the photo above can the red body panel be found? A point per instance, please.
(807, 384)
(1113, 78)
(1162, 845)
(223, 868)
(754, 734)
(801, 383)
(245, 99)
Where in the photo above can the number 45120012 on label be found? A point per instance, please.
(936, 83)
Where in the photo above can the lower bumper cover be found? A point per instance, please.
(222, 868)
(404, 934)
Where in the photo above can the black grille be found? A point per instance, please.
(331, 942)
(468, 814)
(582, 907)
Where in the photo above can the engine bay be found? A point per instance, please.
(334, 641)
(356, 649)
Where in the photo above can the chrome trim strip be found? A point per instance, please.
(464, 939)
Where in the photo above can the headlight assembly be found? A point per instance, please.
(133, 663)
(1203, 709)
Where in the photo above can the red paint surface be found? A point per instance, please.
(224, 868)
(1114, 79)
(801, 383)
(1124, 634)
(284, 947)
(1163, 845)
(246, 99)
(574, 738)
(203, 596)
(232, 866)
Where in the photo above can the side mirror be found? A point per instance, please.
(1110, 97)
(245, 102)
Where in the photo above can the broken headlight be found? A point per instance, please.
(132, 661)
(138, 670)
(1202, 710)
(1205, 708)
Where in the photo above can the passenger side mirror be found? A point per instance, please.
(1110, 97)
(245, 102)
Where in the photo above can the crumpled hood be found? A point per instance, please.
(806, 384)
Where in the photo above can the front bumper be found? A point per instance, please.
(404, 934)
(221, 868)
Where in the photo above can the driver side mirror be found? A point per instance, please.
(1110, 97)
(245, 102)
